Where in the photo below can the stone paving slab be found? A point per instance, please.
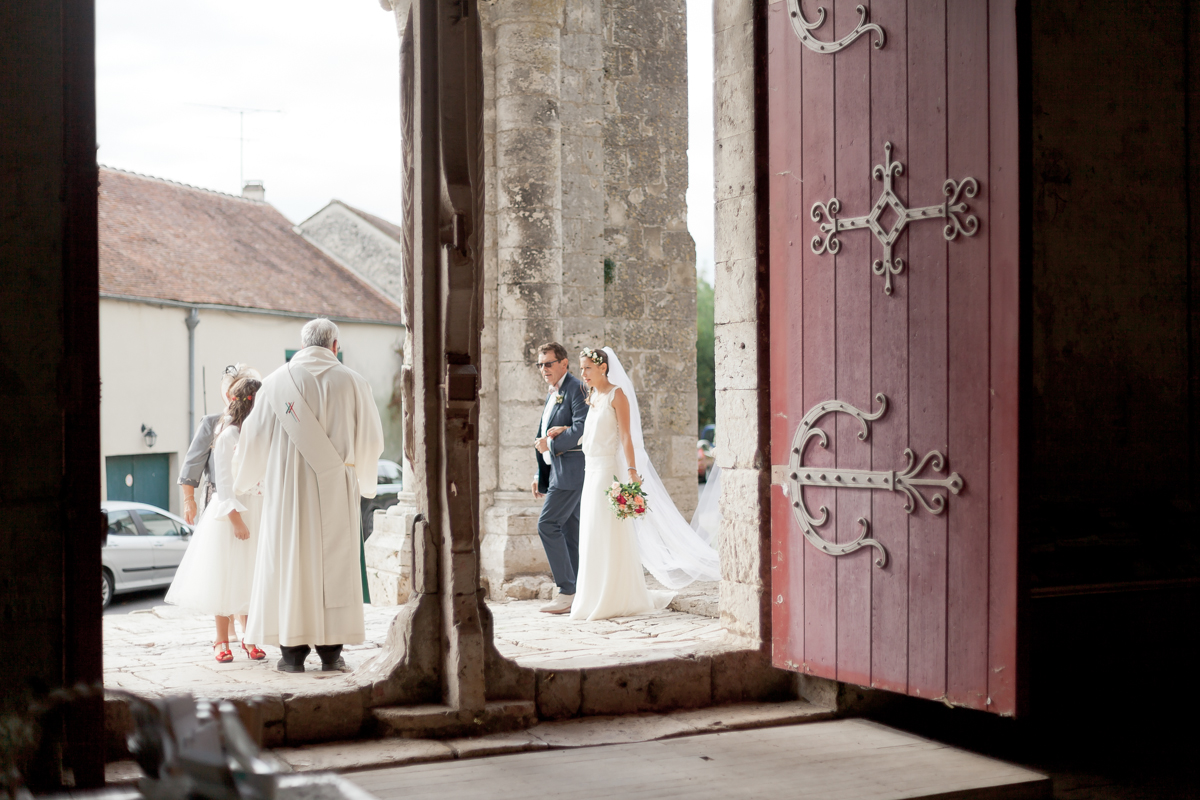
(167, 649)
(833, 760)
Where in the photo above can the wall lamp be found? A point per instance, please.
(149, 435)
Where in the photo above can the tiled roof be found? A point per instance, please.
(389, 228)
(168, 241)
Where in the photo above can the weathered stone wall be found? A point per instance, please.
(586, 162)
(650, 302)
(582, 110)
(741, 442)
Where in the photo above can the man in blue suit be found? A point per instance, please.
(559, 476)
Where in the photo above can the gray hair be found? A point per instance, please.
(319, 332)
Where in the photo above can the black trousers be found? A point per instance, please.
(296, 653)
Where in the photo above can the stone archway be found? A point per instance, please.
(536, 49)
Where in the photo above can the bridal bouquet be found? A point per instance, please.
(627, 499)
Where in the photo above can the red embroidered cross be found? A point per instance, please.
(292, 411)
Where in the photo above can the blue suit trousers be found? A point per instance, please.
(558, 526)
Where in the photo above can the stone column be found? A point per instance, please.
(526, 194)
(582, 111)
(389, 555)
(742, 442)
(587, 173)
(650, 276)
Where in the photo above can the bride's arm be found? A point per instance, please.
(620, 405)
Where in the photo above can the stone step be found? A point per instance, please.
(566, 734)
(439, 721)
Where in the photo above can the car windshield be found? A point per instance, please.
(158, 525)
(120, 523)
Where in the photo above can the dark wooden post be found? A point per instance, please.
(50, 526)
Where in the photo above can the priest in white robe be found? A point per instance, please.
(314, 439)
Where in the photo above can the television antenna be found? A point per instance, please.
(241, 112)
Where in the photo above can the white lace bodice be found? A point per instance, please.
(600, 437)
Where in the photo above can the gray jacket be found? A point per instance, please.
(565, 470)
(199, 455)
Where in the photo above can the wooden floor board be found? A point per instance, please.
(836, 760)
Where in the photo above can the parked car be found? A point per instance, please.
(387, 488)
(704, 459)
(704, 451)
(145, 545)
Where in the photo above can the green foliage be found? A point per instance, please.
(609, 269)
(706, 363)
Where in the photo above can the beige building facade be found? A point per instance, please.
(192, 281)
(144, 369)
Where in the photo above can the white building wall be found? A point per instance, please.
(143, 381)
(144, 362)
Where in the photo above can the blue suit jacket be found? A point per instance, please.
(565, 469)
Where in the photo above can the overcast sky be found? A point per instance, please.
(329, 68)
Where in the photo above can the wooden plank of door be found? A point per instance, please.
(852, 301)
(967, 289)
(889, 368)
(925, 275)
(818, 359)
(1004, 243)
(787, 299)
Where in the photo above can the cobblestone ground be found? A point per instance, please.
(166, 648)
(534, 639)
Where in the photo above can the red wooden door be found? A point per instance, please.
(904, 303)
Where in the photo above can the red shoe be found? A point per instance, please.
(253, 652)
(223, 654)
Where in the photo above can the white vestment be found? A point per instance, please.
(314, 439)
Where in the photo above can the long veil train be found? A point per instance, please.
(670, 548)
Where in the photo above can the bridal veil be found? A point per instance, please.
(670, 548)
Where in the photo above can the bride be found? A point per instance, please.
(613, 551)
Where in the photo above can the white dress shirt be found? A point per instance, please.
(548, 410)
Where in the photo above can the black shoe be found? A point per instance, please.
(335, 666)
(284, 666)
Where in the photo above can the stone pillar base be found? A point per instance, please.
(512, 561)
(389, 553)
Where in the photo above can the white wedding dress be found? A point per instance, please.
(217, 569)
(612, 552)
(610, 581)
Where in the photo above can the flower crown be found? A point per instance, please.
(595, 356)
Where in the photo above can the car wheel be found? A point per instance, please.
(108, 589)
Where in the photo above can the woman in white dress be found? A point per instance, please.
(613, 551)
(218, 567)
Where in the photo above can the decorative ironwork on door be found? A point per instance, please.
(794, 475)
(889, 266)
(802, 26)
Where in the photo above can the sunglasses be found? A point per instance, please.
(544, 365)
(231, 369)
